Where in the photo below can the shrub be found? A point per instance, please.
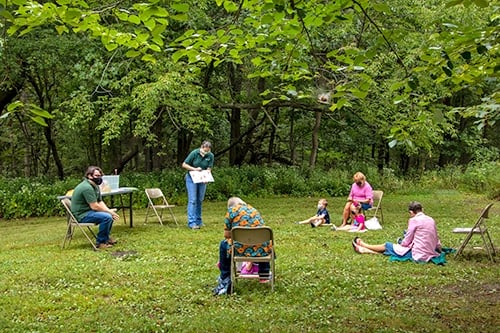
(22, 197)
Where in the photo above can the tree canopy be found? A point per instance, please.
(400, 84)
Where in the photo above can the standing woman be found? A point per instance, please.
(361, 192)
(197, 160)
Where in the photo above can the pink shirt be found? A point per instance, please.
(361, 192)
(359, 220)
(421, 237)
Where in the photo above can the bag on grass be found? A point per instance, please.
(373, 224)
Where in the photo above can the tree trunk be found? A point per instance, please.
(236, 154)
(315, 140)
(52, 146)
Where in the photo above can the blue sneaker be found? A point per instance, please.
(223, 287)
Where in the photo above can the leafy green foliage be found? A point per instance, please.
(23, 197)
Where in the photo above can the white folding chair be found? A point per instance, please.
(480, 229)
(251, 237)
(158, 203)
(73, 224)
(377, 206)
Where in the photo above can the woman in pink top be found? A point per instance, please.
(421, 242)
(361, 192)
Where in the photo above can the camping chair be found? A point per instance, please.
(74, 224)
(479, 228)
(157, 202)
(377, 205)
(249, 237)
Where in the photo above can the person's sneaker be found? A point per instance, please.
(195, 227)
(112, 241)
(104, 246)
(223, 287)
(334, 228)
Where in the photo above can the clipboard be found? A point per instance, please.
(203, 176)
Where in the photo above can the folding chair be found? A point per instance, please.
(158, 202)
(74, 224)
(251, 237)
(377, 207)
(479, 228)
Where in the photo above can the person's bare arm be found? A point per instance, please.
(190, 168)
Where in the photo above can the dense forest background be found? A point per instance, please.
(402, 86)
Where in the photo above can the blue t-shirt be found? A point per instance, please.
(325, 214)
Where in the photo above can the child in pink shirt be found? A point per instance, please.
(358, 224)
(249, 268)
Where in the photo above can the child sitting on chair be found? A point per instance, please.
(321, 217)
(249, 268)
(358, 220)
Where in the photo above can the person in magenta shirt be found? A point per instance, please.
(358, 221)
(361, 192)
(421, 242)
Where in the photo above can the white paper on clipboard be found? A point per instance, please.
(203, 176)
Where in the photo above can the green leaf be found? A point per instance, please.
(395, 86)
(359, 93)
(149, 58)
(61, 29)
(132, 53)
(134, 19)
(12, 106)
(150, 24)
(181, 7)
(73, 13)
(110, 46)
(38, 111)
(178, 55)
(39, 120)
(230, 6)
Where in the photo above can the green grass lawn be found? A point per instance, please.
(321, 283)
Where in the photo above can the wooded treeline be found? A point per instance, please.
(405, 86)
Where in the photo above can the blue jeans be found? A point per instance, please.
(105, 222)
(225, 262)
(196, 194)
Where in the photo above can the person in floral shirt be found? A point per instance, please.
(239, 214)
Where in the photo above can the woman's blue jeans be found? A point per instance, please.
(196, 194)
(105, 222)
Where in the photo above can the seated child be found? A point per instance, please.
(321, 217)
(249, 268)
(358, 220)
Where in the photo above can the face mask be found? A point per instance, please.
(97, 181)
